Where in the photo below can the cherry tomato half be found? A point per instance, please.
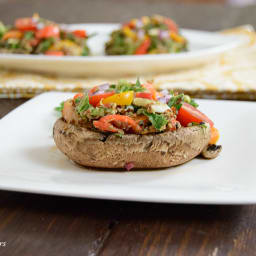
(80, 33)
(145, 95)
(171, 25)
(151, 89)
(48, 31)
(94, 100)
(188, 114)
(25, 24)
(78, 95)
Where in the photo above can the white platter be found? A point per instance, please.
(204, 47)
(30, 162)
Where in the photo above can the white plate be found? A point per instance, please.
(30, 161)
(203, 48)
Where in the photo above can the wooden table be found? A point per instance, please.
(49, 225)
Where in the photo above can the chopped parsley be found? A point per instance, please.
(193, 103)
(176, 101)
(157, 120)
(45, 45)
(60, 107)
(125, 86)
(119, 135)
(29, 35)
(83, 104)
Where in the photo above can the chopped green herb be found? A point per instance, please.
(124, 86)
(45, 45)
(157, 120)
(119, 135)
(193, 103)
(2, 29)
(85, 51)
(29, 35)
(83, 104)
(60, 107)
(77, 100)
(97, 112)
(176, 101)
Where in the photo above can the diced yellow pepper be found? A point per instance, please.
(122, 99)
(177, 37)
(128, 32)
(145, 20)
(66, 45)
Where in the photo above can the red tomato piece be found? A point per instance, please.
(93, 90)
(25, 24)
(54, 53)
(78, 95)
(94, 100)
(171, 25)
(145, 95)
(142, 49)
(113, 123)
(48, 31)
(151, 89)
(188, 114)
(80, 33)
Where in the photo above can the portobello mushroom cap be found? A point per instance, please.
(95, 149)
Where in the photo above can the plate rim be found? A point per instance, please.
(243, 198)
(131, 58)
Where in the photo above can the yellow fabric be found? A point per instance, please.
(234, 72)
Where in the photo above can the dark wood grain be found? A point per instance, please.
(48, 225)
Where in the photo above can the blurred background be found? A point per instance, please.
(198, 14)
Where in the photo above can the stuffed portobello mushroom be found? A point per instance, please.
(131, 125)
(147, 35)
(35, 35)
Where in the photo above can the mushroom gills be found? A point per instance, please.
(211, 151)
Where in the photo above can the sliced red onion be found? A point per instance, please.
(164, 99)
(101, 89)
(104, 86)
(139, 24)
(163, 34)
(164, 92)
(129, 166)
(141, 34)
(98, 92)
(40, 25)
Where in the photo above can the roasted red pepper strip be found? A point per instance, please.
(115, 123)
(142, 49)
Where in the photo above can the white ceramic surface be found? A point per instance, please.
(30, 162)
(203, 48)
